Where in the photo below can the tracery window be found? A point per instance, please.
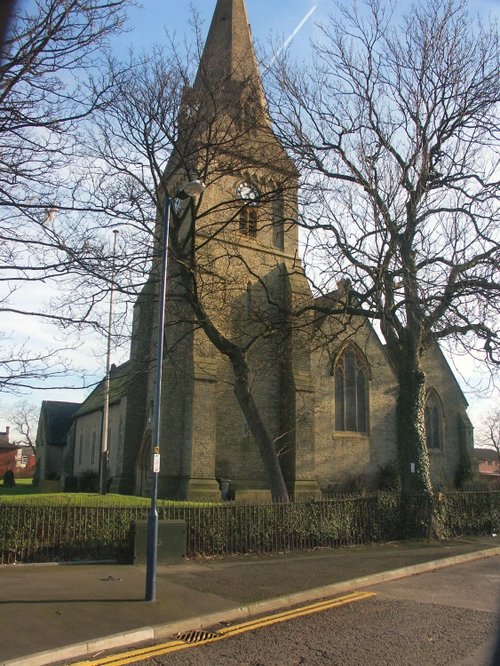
(351, 392)
(248, 221)
(433, 422)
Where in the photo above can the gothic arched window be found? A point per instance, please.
(433, 421)
(351, 392)
(248, 221)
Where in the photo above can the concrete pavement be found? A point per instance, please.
(58, 613)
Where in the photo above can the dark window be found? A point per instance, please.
(339, 399)
(351, 404)
(248, 299)
(248, 221)
(432, 423)
(278, 223)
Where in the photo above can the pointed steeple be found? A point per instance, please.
(228, 58)
(229, 48)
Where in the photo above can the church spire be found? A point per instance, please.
(228, 58)
(229, 49)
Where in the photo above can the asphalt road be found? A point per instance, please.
(450, 616)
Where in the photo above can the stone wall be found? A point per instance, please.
(457, 431)
(344, 458)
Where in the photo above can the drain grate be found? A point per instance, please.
(196, 636)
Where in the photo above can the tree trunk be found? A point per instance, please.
(419, 513)
(259, 431)
(413, 456)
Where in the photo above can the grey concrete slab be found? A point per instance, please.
(50, 607)
(249, 578)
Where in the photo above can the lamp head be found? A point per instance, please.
(192, 189)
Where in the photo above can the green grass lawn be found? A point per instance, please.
(24, 496)
(25, 493)
(30, 495)
(22, 487)
(24, 482)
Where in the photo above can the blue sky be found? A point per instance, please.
(147, 26)
(148, 23)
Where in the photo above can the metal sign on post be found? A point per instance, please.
(156, 463)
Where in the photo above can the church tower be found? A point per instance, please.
(235, 252)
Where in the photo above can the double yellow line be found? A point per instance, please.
(226, 632)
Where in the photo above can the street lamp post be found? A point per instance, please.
(103, 473)
(192, 190)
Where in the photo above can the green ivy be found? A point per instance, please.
(36, 533)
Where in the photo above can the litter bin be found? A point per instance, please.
(172, 539)
(225, 487)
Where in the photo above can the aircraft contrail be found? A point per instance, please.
(294, 33)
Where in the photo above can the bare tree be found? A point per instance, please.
(395, 126)
(49, 86)
(5, 15)
(47, 56)
(24, 417)
(489, 432)
(21, 368)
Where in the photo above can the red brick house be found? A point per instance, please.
(488, 461)
(25, 462)
(19, 459)
(8, 452)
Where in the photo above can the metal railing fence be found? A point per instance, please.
(469, 513)
(37, 533)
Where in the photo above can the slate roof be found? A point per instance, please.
(485, 454)
(118, 385)
(7, 446)
(58, 417)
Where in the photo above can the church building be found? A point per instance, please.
(324, 386)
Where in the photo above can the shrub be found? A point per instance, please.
(71, 484)
(387, 478)
(88, 482)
